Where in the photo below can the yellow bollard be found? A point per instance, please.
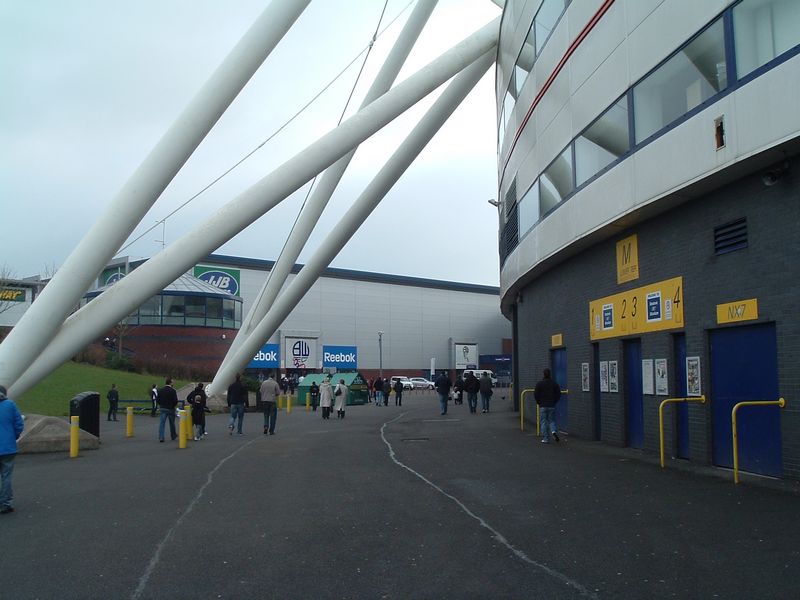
(308, 401)
(74, 437)
(280, 398)
(288, 405)
(189, 425)
(129, 421)
(181, 429)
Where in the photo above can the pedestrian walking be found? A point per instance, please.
(190, 399)
(387, 391)
(269, 397)
(153, 400)
(341, 393)
(547, 394)
(378, 391)
(443, 385)
(314, 391)
(472, 386)
(459, 388)
(326, 397)
(485, 387)
(113, 402)
(11, 426)
(167, 400)
(398, 393)
(237, 398)
(198, 404)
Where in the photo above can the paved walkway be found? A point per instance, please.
(389, 503)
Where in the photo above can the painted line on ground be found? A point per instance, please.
(496, 534)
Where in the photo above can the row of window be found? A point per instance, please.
(743, 39)
(199, 311)
(544, 21)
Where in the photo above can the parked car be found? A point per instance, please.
(407, 383)
(420, 383)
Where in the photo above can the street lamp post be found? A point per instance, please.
(380, 354)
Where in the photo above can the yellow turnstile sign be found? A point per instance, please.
(653, 307)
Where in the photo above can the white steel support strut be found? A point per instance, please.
(355, 217)
(93, 319)
(37, 327)
(327, 184)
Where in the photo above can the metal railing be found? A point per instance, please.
(779, 402)
(700, 399)
(522, 408)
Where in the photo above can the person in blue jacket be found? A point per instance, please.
(11, 426)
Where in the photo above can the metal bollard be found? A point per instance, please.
(308, 401)
(74, 437)
(129, 421)
(280, 405)
(181, 428)
(288, 405)
(189, 425)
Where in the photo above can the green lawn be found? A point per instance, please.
(51, 396)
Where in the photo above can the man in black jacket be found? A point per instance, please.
(167, 399)
(237, 397)
(547, 393)
(443, 386)
(472, 387)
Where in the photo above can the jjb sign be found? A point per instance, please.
(266, 358)
(340, 357)
(226, 280)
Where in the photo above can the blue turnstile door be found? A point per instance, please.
(744, 366)
(558, 359)
(633, 390)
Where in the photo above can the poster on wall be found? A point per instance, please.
(613, 381)
(647, 377)
(300, 353)
(603, 375)
(693, 382)
(466, 356)
(662, 388)
(584, 377)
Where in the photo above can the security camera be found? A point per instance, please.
(772, 175)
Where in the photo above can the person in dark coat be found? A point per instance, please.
(113, 402)
(237, 398)
(167, 400)
(485, 386)
(154, 400)
(472, 387)
(387, 391)
(378, 384)
(198, 416)
(547, 394)
(459, 388)
(398, 393)
(443, 385)
(314, 391)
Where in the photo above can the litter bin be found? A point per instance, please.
(86, 406)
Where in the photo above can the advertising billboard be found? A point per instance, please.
(266, 358)
(300, 353)
(340, 357)
(466, 356)
(226, 280)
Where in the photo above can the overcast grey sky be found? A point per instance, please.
(89, 86)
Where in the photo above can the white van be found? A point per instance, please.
(479, 373)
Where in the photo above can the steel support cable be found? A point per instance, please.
(227, 172)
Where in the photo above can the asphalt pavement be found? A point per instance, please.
(391, 502)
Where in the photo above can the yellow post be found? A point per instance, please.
(522, 408)
(181, 428)
(700, 399)
(189, 424)
(779, 402)
(308, 401)
(538, 421)
(74, 437)
(280, 404)
(288, 404)
(129, 421)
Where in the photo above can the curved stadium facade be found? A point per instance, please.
(649, 204)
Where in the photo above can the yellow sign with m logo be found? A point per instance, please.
(628, 259)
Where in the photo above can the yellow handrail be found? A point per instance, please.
(522, 408)
(779, 402)
(700, 399)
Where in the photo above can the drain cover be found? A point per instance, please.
(422, 439)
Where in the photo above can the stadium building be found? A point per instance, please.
(649, 208)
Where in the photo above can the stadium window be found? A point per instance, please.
(603, 142)
(556, 182)
(763, 30)
(529, 209)
(689, 78)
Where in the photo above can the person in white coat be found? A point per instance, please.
(340, 393)
(326, 397)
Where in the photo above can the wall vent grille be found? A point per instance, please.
(730, 237)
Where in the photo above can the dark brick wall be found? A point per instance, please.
(677, 243)
(198, 347)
